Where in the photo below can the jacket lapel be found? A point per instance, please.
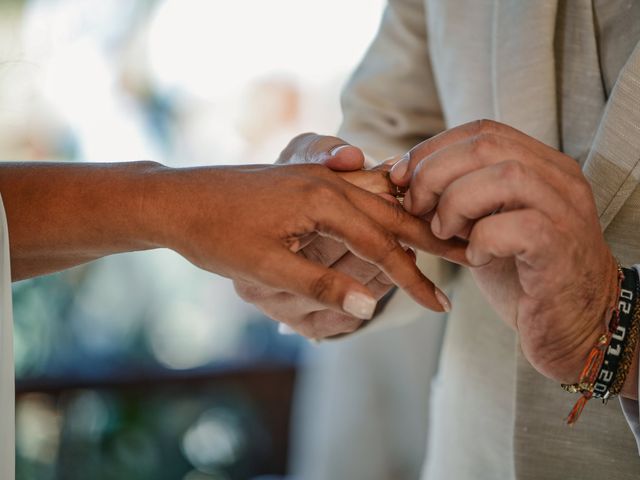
(613, 164)
(524, 67)
(525, 98)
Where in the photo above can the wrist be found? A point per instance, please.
(599, 313)
(149, 206)
(173, 198)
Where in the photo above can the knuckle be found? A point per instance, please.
(422, 175)
(331, 324)
(323, 193)
(351, 325)
(322, 287)
(449, 200)
(483, 126)
(319, 325)
(305, 326)
(308, 331)
(316, 253)
(315, 172)
(532, 220)
(397, 213)
(479, 234)
(483, 144)
(249, 292)
(512, 171)
(387, 247)
(264, 263)
(538, 229)
(584, 193)
(447, 212)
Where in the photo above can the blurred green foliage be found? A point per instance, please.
(111, 435)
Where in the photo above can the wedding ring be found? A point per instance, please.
(396, 191)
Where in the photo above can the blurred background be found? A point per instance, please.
(142, 366)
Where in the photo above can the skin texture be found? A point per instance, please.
(246, 223)
(305, 316)
(535, 244)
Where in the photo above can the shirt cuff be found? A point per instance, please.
(631, 408)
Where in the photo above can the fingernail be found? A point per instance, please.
(391, 161)
(443, 299)
(399, 170)
(474, 259)
(335, 150)
(284, 329)
(359, 305)
(435, 225)
(406, 201)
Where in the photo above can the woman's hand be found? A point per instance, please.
(305, 315)
(248, 223)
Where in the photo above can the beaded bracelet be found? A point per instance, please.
(589, 373)
(610, 359)
(610, 369)
(630, 345)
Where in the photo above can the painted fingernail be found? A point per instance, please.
(359, 305)
(443, 299)
(399, 170)
(284, 329)
(435, 225)
(337, 149)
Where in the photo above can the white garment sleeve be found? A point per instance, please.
(631, 408)
(402, 309)
(7, 385)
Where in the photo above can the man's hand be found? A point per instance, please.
(305, 316)
(535, 243)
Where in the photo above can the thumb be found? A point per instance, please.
(332, 152)
(344, 157)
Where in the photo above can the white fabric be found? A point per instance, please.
(7, 389)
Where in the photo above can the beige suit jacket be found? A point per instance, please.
(439, 63)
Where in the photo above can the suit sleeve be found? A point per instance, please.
(389, 105)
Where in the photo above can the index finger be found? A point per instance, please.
(410, 230)
(373, 181)
(402, 172)
(371, 242)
